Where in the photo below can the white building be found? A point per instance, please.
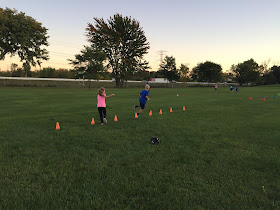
(159, 80)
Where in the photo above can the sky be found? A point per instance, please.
(225, 32)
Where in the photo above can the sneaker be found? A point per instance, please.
(134, 107)
(104, 120)
(101, 123)
(138, 114)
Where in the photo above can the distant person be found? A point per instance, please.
(216, 87)
(101, 105)
(236, 89)
(143, 97)
(231, 88)
(148, 83)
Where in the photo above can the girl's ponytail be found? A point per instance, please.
(101, 91)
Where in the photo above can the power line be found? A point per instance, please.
(66, 44)
(61, 53)
(58, 63)
(161, 53)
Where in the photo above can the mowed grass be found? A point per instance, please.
(222, 152)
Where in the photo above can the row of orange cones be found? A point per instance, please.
(116, 119)
(160, 111)
(57, 127)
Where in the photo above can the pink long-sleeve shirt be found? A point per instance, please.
(101, 100)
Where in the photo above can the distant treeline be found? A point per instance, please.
(248, 72)
(51, 73)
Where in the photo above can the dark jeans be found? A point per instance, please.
(141, 105)
(102, 113)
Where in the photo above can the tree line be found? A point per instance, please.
(50, 72)
(247, 72)
(116, 49)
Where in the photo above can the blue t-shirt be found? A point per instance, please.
(143, 99)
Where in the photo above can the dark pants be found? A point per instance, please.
(141, 105)
(102, 113)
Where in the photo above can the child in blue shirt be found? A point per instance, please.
(143, 97)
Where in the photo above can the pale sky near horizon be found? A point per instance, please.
(225, 32)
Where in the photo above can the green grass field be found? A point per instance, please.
(221, 153)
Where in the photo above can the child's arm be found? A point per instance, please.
(109, 96)
(147, 98)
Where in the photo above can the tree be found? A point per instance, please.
(6, 73)
(48, 72)
(90, 61)
(123, 41)
(14, 67)
(183, 71)
(247, 72)
(24, 36)
(269, 78)
(19, 72)
(231, 72)
(140, 72)
(276, 73)
(141, 75)
(207, 72)
(265, 66)
(65, 73)
(168, 69)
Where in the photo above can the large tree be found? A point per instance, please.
(276, 73)
(89, 61)
(247, 72)
(123, 41)
(24, 36)
(184, 70)
(168, 69)
(269, 78)
(207, 72)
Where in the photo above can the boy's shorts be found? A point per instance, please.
(142, 105)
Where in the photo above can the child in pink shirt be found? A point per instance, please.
(101, 105)
(216, 87)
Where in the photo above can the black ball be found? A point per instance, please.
(155, 140)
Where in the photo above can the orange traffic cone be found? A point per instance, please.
(136, 116)
(57, 126)
(160, 111)
(184, 109)
(171, 109)
(150, 114)
(116, 119)
(92, 121)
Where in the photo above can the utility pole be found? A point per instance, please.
(161, 53)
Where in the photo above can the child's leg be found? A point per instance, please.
(104, 112)
(100, 114)
(142, 108)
